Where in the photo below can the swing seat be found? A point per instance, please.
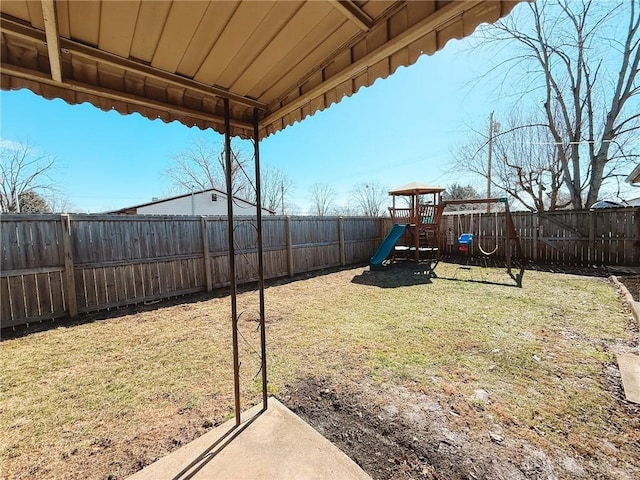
(464, 241)
(465, 238)
(487, 253)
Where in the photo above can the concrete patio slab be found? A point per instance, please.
(629, 365)
(273, 444)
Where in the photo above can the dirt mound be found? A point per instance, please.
(632, 282)
(399, 434)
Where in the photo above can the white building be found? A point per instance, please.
(205, 202)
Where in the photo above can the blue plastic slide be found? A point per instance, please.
(386, 247)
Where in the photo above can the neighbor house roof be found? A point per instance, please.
(178, 60)
(133, 208)
(634, 176)
(416, 188)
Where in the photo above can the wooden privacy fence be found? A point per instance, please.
(59, 265)
(568, 237)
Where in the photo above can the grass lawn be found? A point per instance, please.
(103, 399)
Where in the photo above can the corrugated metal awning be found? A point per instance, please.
(177, 60)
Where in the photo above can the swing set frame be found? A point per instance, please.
(512, 234)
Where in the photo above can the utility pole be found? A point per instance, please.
(489, 161)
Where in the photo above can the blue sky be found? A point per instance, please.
(399, 130)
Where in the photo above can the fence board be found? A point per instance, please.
(16, 289)
(572, 237)
(5, 301)
(58, 294)
(121, 260)
(44, 294)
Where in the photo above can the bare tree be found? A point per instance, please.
(23, 169)
(323, 197)
(201, 165)
(581, 60)
(371, 198)
(343, 210)
(276, 188)
(526, 162)
(59, 203)
(529, 167)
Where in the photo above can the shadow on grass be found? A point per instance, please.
(467, 274)
(396, 275)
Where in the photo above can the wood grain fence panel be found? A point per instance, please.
(120, 283)
(6, 260)
(89, 281)
(102, 297)
(220, 266)
(43, 287)
(5, 302)
(49, 249)
(111, 284)
(32, 307)
(168, 278)
(16, 287)
(151, 276)
(58, 293)
(138, 280)
(360, 251)
(275, 263)
(81, 288)
(196, 273)
(600, 237)
(15, 259)
(79, 241)
(218, 241)
(130, 279)
(27, 244)
(273, 233)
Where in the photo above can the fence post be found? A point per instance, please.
(534, 247)
(287, 230)
(592, 238)
(205, 248)
(343, 260)
(69, 278)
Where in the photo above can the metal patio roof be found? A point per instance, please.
(178, 60)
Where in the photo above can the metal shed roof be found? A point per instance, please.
(178, 60)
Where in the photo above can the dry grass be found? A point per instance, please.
(105, 398)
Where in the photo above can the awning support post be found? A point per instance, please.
(232, 259)
(263, 338)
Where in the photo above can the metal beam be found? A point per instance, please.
(430, 24)
(100, 56)
(354, 13)
(53, 44)
(39, 77)
(476, 200)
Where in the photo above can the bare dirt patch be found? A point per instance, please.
(632, 282)
(396, 433)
